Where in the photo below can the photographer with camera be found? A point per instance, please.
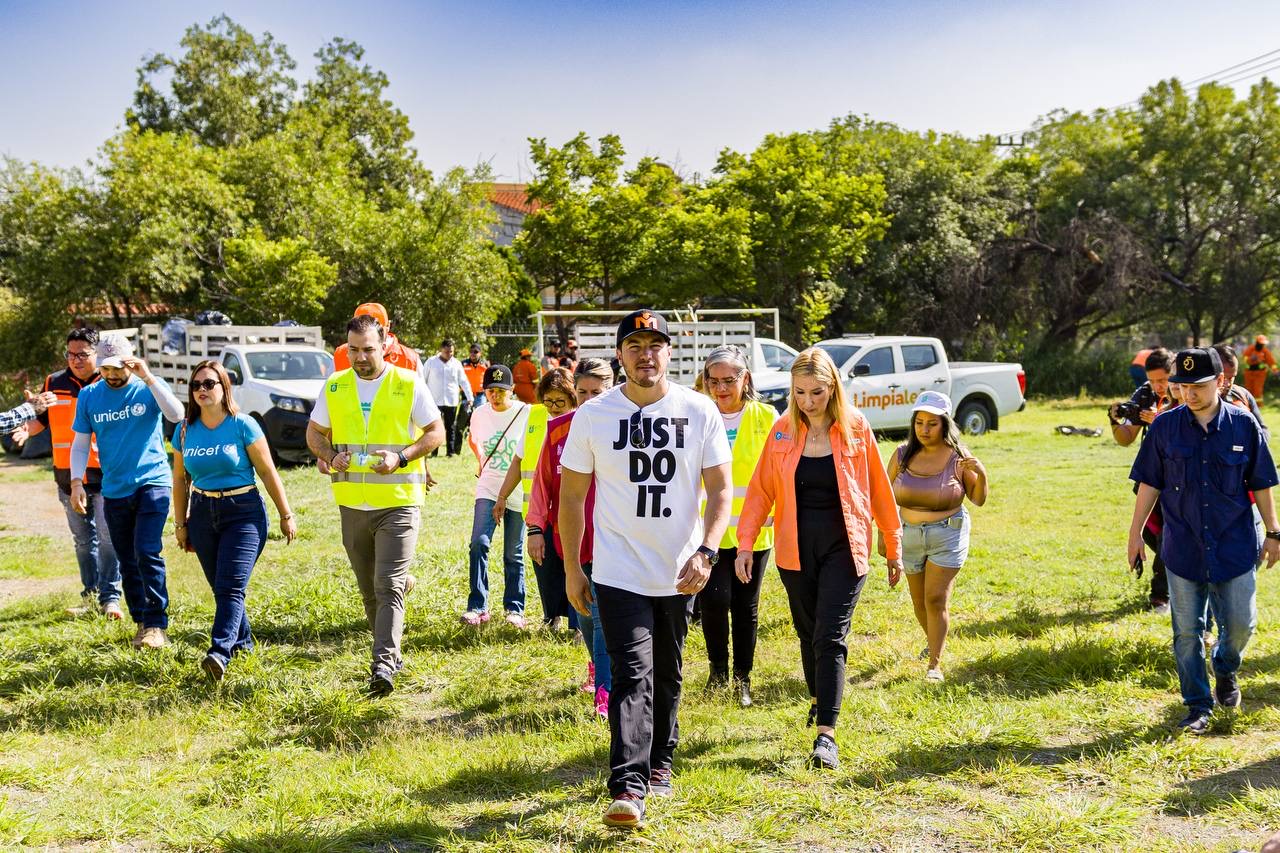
(1129, 421)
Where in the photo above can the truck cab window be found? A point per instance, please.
(879, 360)
(232, 364)
(918, 356)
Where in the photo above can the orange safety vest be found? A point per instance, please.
(475, 374)
(62, 415)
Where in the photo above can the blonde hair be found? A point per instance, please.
(816, 363)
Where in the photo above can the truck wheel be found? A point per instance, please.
(973, 418)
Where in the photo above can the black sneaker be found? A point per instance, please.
(213, 667)
(660, 783)
(1196, 722)
(380, 684)
(1226, 690)
(825, 755)
(718, 679)
(744, 691)
(813, 716)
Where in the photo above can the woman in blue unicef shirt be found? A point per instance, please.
(224, 519)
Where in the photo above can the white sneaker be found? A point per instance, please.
(112, 611)
(934, 675)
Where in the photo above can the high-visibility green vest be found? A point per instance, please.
(535, 435)
(753, 432)
(388, 428)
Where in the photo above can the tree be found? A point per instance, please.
(807, 219)
(226, 88)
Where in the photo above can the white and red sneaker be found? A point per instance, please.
(475, 618)
(602, 703)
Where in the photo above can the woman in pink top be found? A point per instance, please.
(592, 377)
(932, 474)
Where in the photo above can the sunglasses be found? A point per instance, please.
(637, 434)
(205, 385)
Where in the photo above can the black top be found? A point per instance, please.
(816, 487)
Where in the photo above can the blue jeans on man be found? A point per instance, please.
(136, 523)
(482, 529)
(1235, 608)
(99, 568)
(228, 535)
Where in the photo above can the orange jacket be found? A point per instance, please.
(526, 375)
(394, 352)
(865, 493)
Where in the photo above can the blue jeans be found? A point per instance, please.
(593, 638)
(136, 523)
(228, 535)
(482, 528)
(99, 568)
(1235, 608)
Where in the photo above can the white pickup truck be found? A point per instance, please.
(883, 375)
(277, 372)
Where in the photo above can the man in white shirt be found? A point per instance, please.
(372, 425)
(649, 445)
(446, 380)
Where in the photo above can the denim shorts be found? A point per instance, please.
(944, 543)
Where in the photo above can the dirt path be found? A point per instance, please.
(29, 504)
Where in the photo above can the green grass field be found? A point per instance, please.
(1051, 732)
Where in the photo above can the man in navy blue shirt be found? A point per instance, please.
(1202, 460)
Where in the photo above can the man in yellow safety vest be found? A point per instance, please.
(372, 426)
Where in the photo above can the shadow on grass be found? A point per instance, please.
(1196, 797)
(1037, 670)
(1029, 622)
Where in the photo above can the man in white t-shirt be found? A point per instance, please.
(372, 425)
(649, 445)
(447, 381)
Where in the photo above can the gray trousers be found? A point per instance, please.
(380, 544)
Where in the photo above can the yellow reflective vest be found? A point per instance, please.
(753, 432)
(535, 435)
(389, 428)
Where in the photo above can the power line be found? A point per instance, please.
(1244, 70)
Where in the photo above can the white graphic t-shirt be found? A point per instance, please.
(488, 442)
(648, 521)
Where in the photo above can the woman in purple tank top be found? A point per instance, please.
(932, 473)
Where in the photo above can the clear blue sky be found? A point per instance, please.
(677, 80)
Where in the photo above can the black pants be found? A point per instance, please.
(822, 595)
(725, 596)
(452, 430)
(1159, 583)
(550, 576)
(645, 639)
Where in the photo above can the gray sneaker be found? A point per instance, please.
(825, 755)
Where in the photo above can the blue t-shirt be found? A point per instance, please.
(218, 458)
(127, 423)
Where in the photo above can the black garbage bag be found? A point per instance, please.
(173, 336)
(212, 318)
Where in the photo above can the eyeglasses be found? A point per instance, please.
(205, 385)
(556, 403)
(724, 383)
(79, 356)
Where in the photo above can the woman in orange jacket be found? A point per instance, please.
(822, 478)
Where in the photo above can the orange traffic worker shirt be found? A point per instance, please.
(475, 374)
(526, 380)
(866, 494)
(395, 353)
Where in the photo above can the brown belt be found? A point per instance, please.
(225, 493)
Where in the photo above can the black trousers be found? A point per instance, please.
(550, 577)
(1159, 582)
(725, 596)
(645, 639)
(452, 430)
(822, 595)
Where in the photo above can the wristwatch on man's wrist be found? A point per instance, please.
(1273, 534)
(713, 557)
(404, 460)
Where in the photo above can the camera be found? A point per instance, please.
(1130, 410)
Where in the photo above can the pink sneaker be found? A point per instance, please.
(475, 618)
(602, 703)
(589, 686)
(516, 620)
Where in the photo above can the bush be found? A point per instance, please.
(1102, 372)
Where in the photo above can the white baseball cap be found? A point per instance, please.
(933, 402)
(113, 350)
